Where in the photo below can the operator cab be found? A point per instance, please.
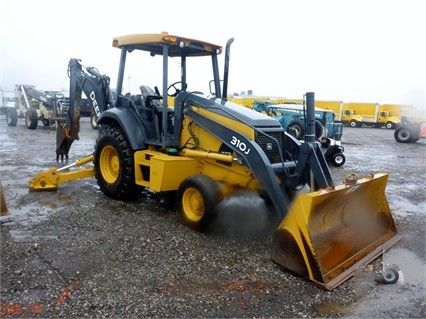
(151, 120)
(148, 107)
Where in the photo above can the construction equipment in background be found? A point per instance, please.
(3, 207)
(34, 105)
(411, 130)
(352, 114)
(292, 117)
(205, 149)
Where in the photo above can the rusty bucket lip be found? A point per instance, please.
(348, 273)
(296, 226)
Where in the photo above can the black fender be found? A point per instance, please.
(129, 123)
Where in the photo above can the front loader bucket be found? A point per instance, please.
(328, 234)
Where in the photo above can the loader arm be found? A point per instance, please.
(96, 88)
(277, 179)
(289, 174)
(253, 156)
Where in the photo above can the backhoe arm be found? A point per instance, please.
(96, 88)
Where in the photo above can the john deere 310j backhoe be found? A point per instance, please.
(206, 148)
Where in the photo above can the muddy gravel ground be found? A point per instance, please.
(74, 253)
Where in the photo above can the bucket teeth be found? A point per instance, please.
(63, 142)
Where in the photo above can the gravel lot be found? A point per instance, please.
(75, 253)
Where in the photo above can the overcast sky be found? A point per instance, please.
(354, 51)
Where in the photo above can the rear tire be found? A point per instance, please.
(12, 117)
(31, 119)
(403, 135)
(197, 198)
(114, 165)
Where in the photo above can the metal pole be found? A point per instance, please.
(310, 117)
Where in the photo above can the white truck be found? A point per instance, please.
(7, 107)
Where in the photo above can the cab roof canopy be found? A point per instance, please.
(177, 46)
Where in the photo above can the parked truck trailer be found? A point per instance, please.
(357, 114)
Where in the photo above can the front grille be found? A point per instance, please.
(269, 142)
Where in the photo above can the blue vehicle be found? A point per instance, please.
(292, 118)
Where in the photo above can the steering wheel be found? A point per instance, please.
(177, 90)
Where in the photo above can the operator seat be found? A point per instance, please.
(150, 98)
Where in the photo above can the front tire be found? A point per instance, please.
(93, 119)
(390, 125)
(11, 117)
(354, 124)
(114, 165)
(197, 198)
(338, 159)
(31, 119)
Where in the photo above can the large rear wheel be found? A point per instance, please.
(114, 165)
(197, 198)
(403, 135)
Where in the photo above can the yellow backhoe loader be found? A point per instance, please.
(206, 148)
